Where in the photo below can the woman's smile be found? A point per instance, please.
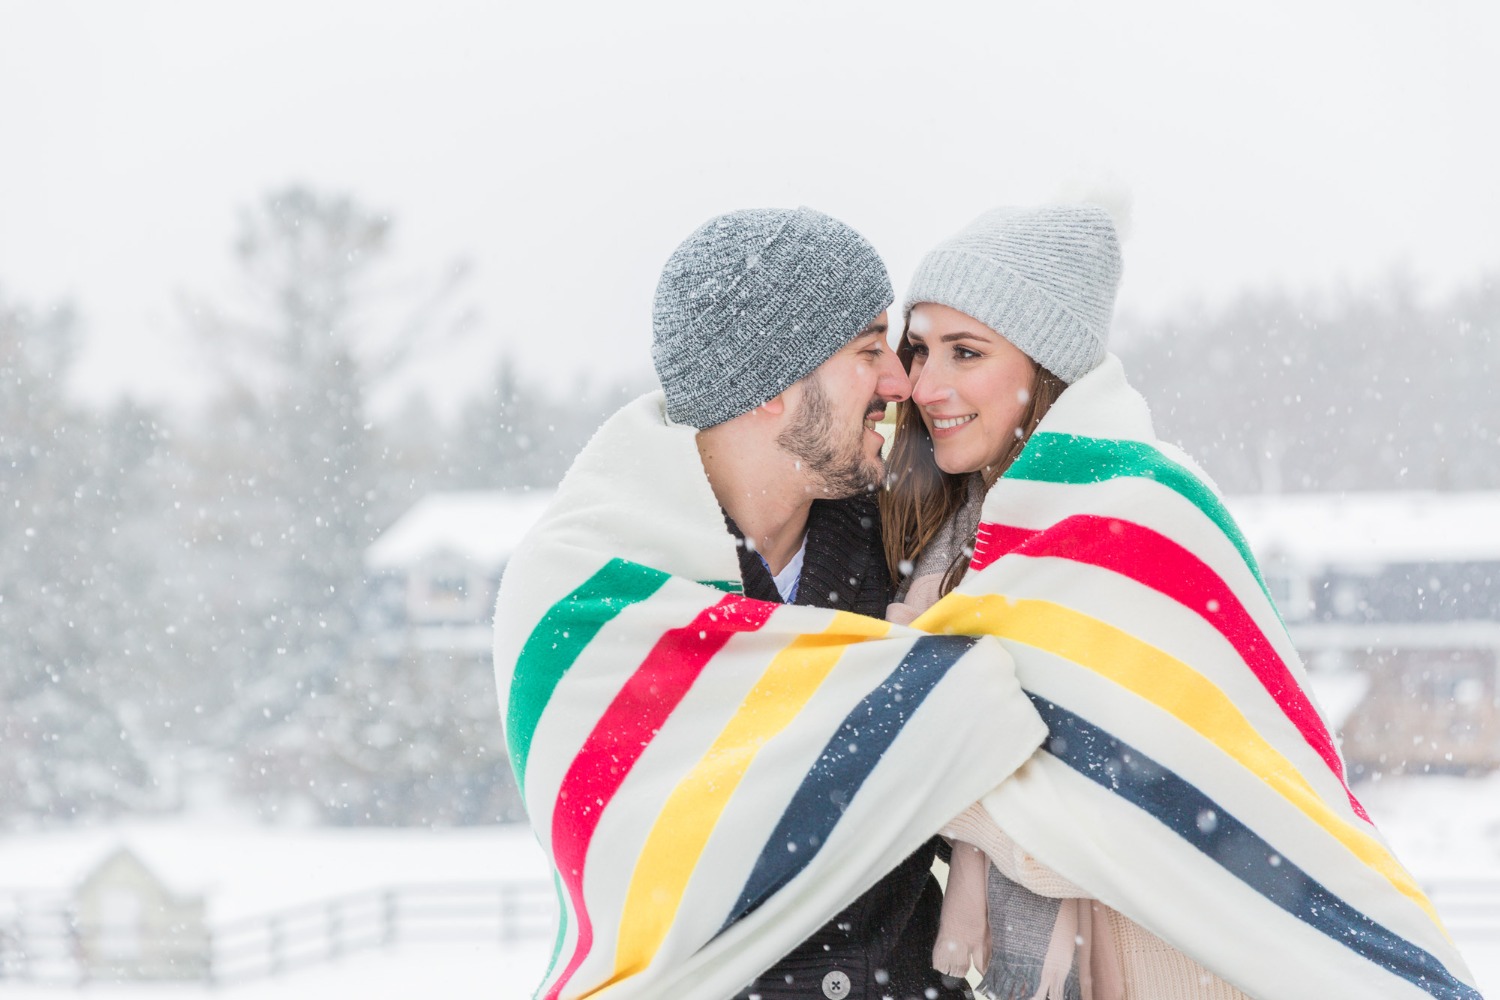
(949, 423)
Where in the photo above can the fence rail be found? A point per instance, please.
(52, 947)
(44, 944)
(1469, 907)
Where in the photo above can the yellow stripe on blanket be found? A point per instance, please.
(681, 832)
(1172, 686)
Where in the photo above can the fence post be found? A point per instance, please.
(273, 943)
(76, 948)
(508, 929)
(13, 946)
(391, 915)
(335, 929)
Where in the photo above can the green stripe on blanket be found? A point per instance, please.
(559, 639)
(1070, 459)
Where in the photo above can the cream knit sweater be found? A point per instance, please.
(1151, 968)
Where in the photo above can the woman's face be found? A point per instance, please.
(970, 384)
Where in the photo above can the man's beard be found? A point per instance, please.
(837, 460)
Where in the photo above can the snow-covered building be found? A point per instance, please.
(1393, 599)
(131, 925)
(434, 574)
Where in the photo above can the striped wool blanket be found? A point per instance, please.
(1188, 779)
(714, 777)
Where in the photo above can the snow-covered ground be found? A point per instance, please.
(412, 972)
(1446, 830)
(244, 871)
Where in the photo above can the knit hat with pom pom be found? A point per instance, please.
(1042, 278)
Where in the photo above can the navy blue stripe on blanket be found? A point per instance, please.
(847, 760)
(1200, 821)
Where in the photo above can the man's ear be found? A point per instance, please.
(776, 405)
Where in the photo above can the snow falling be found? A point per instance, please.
(246, 594)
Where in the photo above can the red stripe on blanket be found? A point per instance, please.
(992, 541)
(1155, 561)
(619, 738)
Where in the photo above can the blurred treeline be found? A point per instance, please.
(1375, 389)
(181, 598)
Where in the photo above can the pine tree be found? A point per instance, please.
(81, 638)
(288, 476)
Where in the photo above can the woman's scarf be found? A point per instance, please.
(714, 777)
(1027, 945)
(1188, 780)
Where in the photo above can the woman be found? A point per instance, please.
(1187, 780)
(1001, 320)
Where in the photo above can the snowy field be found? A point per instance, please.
(245, 871)
(448, 972)
(1447, 830)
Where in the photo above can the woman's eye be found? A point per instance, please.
(964, 354)
(919, 350)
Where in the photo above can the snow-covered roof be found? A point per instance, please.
(1312, 529)
(1338, 692)
(125, 854)
(1354, 529)
(483, 526)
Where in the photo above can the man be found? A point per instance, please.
(802, 367)
(787, 416)
(718, 770)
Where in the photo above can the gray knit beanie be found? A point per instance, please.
(1042, 278)
(753, 301)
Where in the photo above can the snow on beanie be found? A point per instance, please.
(1042, 278)
(753, 301)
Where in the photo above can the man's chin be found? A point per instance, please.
(854, 480)
(872, 475)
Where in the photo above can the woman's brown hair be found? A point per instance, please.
(919, 498)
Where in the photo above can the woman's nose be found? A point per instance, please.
(929, 387)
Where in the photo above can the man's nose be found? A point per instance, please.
(892, 385)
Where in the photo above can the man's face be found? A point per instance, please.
(832, 429)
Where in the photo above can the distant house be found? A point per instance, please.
(1393, 599)
(435, 573)
(130, 925)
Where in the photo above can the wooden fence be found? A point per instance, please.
(46, 946)
(1470, 908)
(42, 944)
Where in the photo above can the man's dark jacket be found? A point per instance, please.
(881, 944)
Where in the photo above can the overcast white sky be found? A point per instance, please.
(566, 148)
